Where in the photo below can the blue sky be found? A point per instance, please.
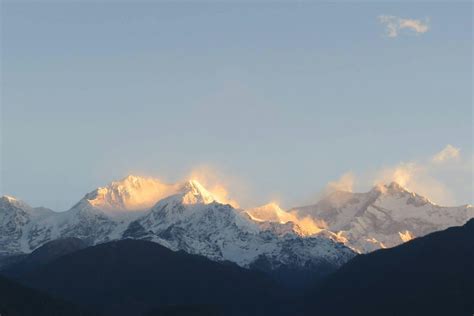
(276, 99)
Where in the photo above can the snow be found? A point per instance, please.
(130, 194)
(386, 216)
(271, 212)
(405, 236)
(189, 219)
(186, 216)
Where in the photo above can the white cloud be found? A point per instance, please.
(449, 153)
(395, 24)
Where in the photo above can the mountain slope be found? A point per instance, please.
(431, 275)
(129, 277)
(384, 217)
(193, 221)
(17, 300)
(43, 255)
(17, 229)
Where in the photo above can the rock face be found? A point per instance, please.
(384, 217)
(190, 219)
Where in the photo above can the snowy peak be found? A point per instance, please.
(395, 187)
(7, 201)
(12, 204)
(16, 221)
(194, 193)
(132, 193)
(191, 201)
(270, 212)
(395, 191)
(385, 216)
(390, 188)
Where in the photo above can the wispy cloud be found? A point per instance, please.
(448, 153)
(395, 24)
(344, 183)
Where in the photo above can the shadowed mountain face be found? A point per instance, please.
(17, 300)
(129, 277)
(43, 255)
(431, 275)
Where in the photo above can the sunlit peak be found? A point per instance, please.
(272, 212)
(9, 198)
(131, 193)
(197, 187)
(194, 193)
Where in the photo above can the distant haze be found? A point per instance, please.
(268, 102)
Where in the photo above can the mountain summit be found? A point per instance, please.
(132, 193)
(386, 216)
(193, 192)
(135, 194)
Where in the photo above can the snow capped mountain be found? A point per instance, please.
(272, 216)
(24, 228)
(386, 216)
(193, 221)
(185, 216)
(270, 212)
(192, 192)
(129, 194)
(17, 222)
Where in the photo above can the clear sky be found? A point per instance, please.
(277, 99)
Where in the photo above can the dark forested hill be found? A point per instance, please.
(431, 275)
(17, 300)
(43, 255)
(130, 277)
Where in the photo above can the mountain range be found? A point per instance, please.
(430, 275)
(186, 216)
(384, 217)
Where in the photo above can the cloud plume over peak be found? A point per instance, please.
(344, 183)
(417, 177)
